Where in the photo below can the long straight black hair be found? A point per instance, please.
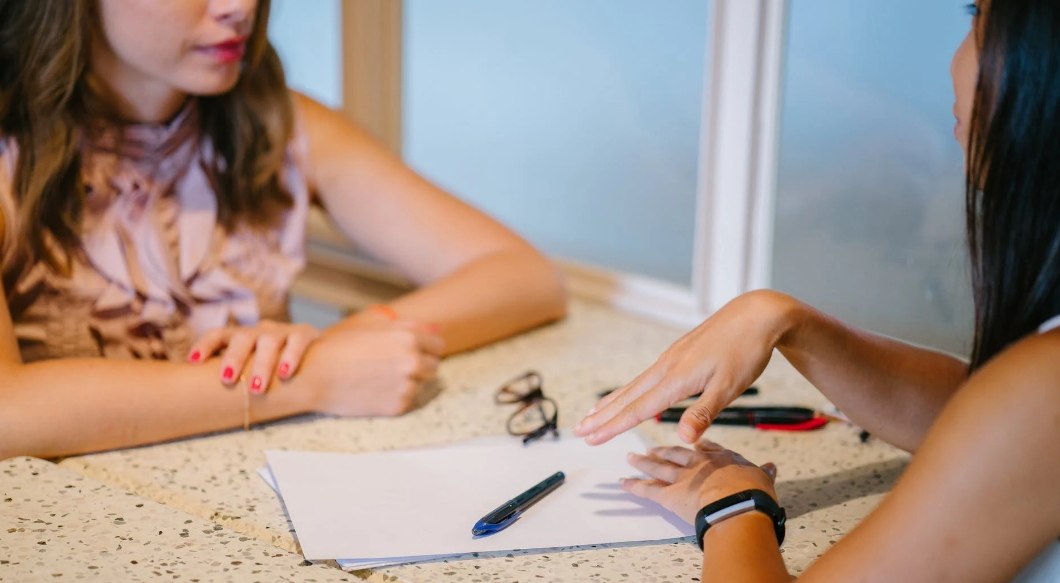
(1013, 182)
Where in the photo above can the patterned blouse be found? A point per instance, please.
(156, 270)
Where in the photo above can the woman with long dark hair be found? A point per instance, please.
(155, 178)
(979, 502)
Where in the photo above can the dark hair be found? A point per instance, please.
(1013, 181)
(48, 96)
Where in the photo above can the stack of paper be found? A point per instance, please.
(378, 509)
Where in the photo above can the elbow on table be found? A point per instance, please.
(8, 441)
(553, 294)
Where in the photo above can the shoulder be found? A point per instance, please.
(1012, 405)
(306, 108)
(310, 119)
(978, 501)
(329, 141)
(1029, 369)
(313, 120)
(321, 126)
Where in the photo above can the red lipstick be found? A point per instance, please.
(228, 51)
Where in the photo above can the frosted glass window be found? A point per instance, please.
(574, 122)
(308, 37)
(869, 222)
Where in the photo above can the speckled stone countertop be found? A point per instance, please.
(828, 480)
(56, 525)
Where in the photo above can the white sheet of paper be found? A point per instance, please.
(346, 564)
(390, 506)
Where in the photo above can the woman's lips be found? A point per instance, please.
(228, 51)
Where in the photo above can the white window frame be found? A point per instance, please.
(738, 151)
(735, 193)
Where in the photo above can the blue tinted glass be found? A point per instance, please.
(869, 221)
(574, 122)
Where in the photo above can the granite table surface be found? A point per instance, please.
(828, 479)
(57, 525)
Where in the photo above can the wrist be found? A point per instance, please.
(293, 396)
(753, 501)
(750, 524)
(712, 495)
(302, 392)
(790, 316)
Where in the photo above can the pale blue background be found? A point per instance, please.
(308, 36)
(576, 122)
(869, 223)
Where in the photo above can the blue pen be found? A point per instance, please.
(505, 514)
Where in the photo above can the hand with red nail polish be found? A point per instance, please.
(270, 349)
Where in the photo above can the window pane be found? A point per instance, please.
(308, 37)
(869, 219)
(574, 122)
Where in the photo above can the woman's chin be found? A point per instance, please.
(211, 83)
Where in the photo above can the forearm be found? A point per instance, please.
(489, 299)
(743, 548)
(66, 407)
(891, 389)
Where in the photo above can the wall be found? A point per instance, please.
(574, 122)
(870, 187)
(308, 37)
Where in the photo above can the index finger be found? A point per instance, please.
(612, 405)
(652, 402)
(621, 391)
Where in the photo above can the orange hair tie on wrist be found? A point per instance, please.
(384, 310)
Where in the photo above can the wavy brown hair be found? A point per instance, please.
(48, 97)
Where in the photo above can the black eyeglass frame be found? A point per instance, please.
(533, 396)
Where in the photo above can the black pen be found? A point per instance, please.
(504, 515)
(749, 392)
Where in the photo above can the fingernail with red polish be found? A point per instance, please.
(284, 369)
(228, 373)
(255, 385)
(195, 356)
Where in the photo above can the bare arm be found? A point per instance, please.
(977, 503)
(979, 500)
(66, 407)
(892, 389)
(74, 406)
(480, 281)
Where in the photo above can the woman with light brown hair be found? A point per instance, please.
(155, 179)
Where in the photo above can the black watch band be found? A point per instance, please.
(741, 503)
